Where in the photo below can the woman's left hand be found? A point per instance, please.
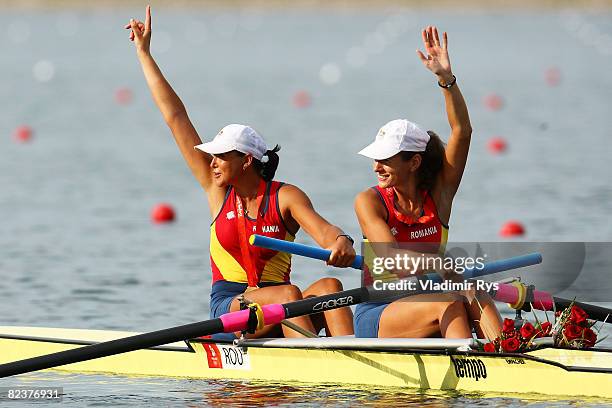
(342, 253)
(437, 60)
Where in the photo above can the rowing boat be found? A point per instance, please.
(439, 364)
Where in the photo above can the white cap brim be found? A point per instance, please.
(215, 147)
(379, 151)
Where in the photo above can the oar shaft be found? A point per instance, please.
(595, 312)
(323, 254)
(112, 347)
(504, 265)
(298, 249)
(541, 300)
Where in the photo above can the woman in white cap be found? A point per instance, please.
(417, 180)
(236, 170)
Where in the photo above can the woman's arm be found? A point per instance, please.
(325, 234)
(438, 62)
(171, 107)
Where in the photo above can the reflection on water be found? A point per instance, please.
(97, 390)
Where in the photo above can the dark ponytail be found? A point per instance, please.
(431, 162)
(268, 169)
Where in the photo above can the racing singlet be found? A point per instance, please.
(425, 234)
(225, 252)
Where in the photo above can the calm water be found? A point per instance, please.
(77, 248)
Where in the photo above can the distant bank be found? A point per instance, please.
(316, 4)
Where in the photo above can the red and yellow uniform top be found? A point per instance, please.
(225, 252)
(425, 234)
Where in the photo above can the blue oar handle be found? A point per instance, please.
(298, 249)
(496, 266)
(323, 254)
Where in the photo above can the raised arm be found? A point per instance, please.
(438, 62)
(169, 104)
(325, 234)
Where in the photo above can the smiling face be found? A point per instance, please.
(227, 167)
(396, 170)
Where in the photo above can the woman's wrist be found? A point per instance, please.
(445, 79)
(347, 236)
(447, 83)
(142, 54)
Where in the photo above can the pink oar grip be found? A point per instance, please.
(509, 294)
(542, 300)
(237, 321)
(506, 293)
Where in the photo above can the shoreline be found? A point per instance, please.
(450, 5)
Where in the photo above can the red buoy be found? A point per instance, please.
(301, 99)
(162, 213)
(123, 96)
(553, 76)
(497, 145)
(512, 229)
(493, 102)
(23, 134)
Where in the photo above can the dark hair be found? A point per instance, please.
(268, 169)
(431, 161)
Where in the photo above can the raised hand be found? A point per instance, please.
(140, 32)
(436, 60)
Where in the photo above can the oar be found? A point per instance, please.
(323, 254)
(227, 323)
(521, 294)
(506, 293)
(298, 249)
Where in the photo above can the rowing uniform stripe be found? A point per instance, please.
(225, 252)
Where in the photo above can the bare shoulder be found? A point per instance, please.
(289, 193)
(367, 202)
(366, 195)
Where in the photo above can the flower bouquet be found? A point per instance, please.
(572, 328)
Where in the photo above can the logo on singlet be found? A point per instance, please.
(230, 215)
(394, 231)
(270, 228)
(423, 233)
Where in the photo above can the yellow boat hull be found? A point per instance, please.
(546, 371)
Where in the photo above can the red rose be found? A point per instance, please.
(589, 337)
(578, 316)
(489, 348)
(527, 331)
(572, 332)
(510, 345)
(545, 328)
(508, 326)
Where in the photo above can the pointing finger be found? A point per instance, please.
(148, 19)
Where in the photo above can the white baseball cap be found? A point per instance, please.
(399, 135)
(236, 137)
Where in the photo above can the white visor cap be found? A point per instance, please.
(236, 137)
(399, 135)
